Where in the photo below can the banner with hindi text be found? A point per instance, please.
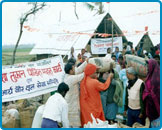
(100, 45)
(31, 79)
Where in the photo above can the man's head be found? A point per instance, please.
(116, 49)
(109, 50)
(69, 69)
(90, 70)
(120, 59)
(63, 89)
(83, 51)
(79, 56)
(157, 58)
(124, 48)
(131, 73)
(94, 75)
(72, 49)
(113, 57)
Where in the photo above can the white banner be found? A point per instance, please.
(31, 79)
(100, 45)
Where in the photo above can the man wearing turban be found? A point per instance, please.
(90, 100)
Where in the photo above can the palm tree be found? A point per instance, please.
(95, 6)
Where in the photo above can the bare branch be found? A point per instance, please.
(35, 8)
(75, 10)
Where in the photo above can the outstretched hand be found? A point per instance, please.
(111, 75)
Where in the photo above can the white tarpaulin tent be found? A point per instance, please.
(57, 40)
(60, 41)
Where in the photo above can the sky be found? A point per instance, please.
(130, 16)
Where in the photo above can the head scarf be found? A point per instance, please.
(131, 70)
(152, 84)
(89, 70)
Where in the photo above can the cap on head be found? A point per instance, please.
(131, 70)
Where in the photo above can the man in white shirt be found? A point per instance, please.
(108, 55)
(56, 109)
(72, 54)
(72, 77)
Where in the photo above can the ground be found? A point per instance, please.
(22, 55)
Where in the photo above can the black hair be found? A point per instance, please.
(125, 47)
(113, 55)
(83, 49)
(63, 87)
(68, 67)
(157, 56)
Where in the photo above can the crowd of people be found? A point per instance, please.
(118, 91)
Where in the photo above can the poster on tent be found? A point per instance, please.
(100, 45)
(31, 79)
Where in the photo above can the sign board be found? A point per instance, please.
(100, 45)
(31, 79)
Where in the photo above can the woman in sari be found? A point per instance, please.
(151, 94)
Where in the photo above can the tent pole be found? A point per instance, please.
(112, 32)
(105, 25)
(111, 25)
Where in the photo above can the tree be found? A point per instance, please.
(34, 9)
(95, 6)
(75, 10)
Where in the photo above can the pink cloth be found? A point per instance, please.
(151, 93)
